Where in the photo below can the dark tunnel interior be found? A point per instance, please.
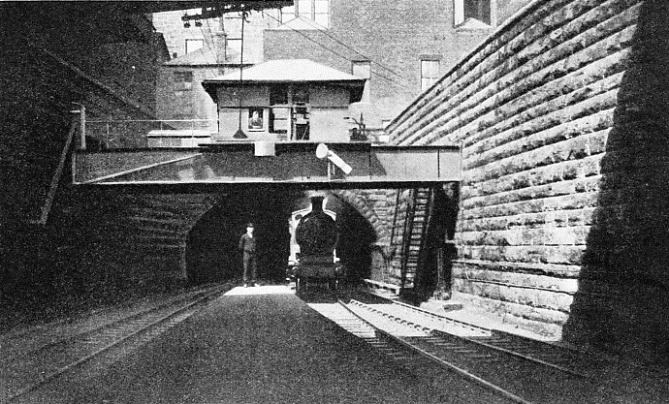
(354, 245)
(212, 254)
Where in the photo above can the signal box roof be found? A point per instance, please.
(285, 71)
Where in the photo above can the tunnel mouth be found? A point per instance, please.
(212, 253)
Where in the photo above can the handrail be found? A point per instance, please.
(148, 120)
(406, 235)
(55, 180)
(409, 228)
(427, 223)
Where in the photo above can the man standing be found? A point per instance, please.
(247, 243)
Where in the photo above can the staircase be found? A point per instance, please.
(407, 239)
(414, 233)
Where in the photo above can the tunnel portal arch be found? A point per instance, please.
(211, 244)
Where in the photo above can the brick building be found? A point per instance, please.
(201, 50)
(401, 47)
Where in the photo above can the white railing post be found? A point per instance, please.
(82, 124)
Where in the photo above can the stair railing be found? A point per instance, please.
(58, 172)
(408, 232)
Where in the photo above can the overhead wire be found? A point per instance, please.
(375, 73)
(334, 38)
(346, 57)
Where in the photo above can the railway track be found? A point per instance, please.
(383, 339)
(550, 355)
(93, 349)
(21, 342)
(515, 368)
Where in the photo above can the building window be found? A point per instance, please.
(194, 44)
(480, 10)
(429, 73)
(322, 12)
(363, 69)
(287, 14)
(233, 48)
(314, 10)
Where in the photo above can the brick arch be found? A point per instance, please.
(360, 203)
(185, 211)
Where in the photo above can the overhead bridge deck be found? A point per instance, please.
(287, 164)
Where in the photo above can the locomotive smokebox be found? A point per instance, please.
(317, 231)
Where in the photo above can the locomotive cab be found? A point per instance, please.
(315, 259)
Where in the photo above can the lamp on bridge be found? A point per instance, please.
(322, 151)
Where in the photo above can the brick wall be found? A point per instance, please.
(54, 54)
(393, 35)
(182, 97)
(135, 240)
(561, 221)
(172, 27)
(177, 101)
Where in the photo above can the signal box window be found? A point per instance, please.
(256, 119)
(301, 122)
(279, 113)
(300, 113)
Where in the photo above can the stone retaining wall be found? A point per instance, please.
(535, 108)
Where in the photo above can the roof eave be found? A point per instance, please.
(356, 86)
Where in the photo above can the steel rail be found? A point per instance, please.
(467, 340)
(443, 363)
(162, 305)
(135, 334)
(114, 323)
(508, 336)
(501, 333)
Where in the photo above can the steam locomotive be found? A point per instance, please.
(316, 262)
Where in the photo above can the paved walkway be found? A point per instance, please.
(254, 345)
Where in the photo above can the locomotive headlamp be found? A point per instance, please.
(322, 151)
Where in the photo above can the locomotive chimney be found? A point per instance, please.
(317, 203)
